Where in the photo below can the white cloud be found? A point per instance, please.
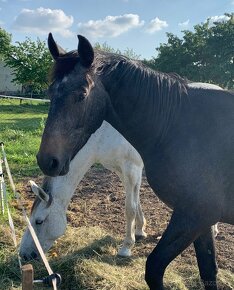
(219, 18)
(110, 26)
(232, 2)
(156, 25)
(184, 24)
(43, 20)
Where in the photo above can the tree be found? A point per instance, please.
(30, 62)
(127, 52)
(5, 42)
(205, 54)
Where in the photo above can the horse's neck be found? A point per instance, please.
(136, 114)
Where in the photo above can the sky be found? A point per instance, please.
(140, 25)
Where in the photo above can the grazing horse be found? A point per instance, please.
(184, 134)
(48, 217)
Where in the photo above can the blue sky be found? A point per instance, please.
(140, 25)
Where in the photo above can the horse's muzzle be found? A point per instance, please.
(52, 166)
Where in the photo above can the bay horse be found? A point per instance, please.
(184, 134)
(48, 214)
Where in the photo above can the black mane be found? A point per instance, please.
(106, 63)
(110, 61)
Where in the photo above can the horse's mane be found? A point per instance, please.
(135, 71)
(162, 92)
(138, 74)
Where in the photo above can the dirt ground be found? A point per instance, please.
(99, 200)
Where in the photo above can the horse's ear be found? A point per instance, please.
(39, 191)
(54, 48)
(85, 51)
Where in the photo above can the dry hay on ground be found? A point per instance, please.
(86, 255)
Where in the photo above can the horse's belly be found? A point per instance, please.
(187, 184)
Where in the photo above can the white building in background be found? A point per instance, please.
(6, 77)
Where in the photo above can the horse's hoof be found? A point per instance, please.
(124, 252)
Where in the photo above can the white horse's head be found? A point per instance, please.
(48, 218)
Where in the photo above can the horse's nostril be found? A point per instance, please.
(54, 164)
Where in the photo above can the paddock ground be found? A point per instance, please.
(99, 201)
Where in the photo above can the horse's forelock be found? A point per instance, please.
(63, 65)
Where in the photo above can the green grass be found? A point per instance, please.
(20, 129)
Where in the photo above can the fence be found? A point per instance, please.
(21, 124)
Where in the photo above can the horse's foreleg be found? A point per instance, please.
(205, 252)
(180, 233)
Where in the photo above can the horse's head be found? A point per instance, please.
(77, 107)
(48, 218)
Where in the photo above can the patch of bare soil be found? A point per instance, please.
(100, 198)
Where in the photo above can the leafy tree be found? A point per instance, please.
(30, 62)
(127, 52)
(5, 42)
(205, 54)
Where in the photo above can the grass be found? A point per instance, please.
(20, 130)
(85, 257)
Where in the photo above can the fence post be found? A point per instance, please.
(27, 277)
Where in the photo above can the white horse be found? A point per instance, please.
(48, 216)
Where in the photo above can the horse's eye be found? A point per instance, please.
(39, 222)
(81, 95)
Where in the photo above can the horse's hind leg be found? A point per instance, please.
(205, 252)
(131, 177)
(182, 230)
(140, 223)
(140, 218)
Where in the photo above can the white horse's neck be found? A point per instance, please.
(105, 146)
(63, 187)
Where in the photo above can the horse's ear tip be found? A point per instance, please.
(50, 36)
(80, 37)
